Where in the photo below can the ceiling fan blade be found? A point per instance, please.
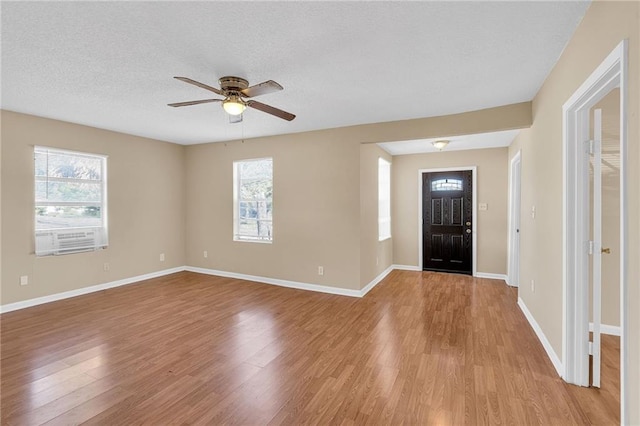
(263, 88)
(202, 85)
(203, 101)
(235, 118)
(271, 110)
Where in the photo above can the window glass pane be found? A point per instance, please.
(69, 191)
(248, 227)
(267, 206)
(384, 225)
(264, 229)
(256, 169)
(41, 190)
(40, 163)
(65, 165)
(53, 217)
(256, 189)
(248, 209)
(384, 199)
(446, 185)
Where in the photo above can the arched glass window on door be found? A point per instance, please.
(446, 185)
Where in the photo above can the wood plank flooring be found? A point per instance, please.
(420, 348)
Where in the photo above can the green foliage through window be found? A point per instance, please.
(253, 211)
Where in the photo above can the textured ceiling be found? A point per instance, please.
(110, 64)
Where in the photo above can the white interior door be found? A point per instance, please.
(596, 246)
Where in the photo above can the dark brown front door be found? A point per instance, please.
(447, 222)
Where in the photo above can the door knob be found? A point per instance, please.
(468, 223)
(468, 231)
(605, 250)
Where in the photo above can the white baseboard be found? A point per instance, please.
(406, 267)
(613, 330)
(278, 282)
(491, 276)
(296, 284)
(543, 339)
(376, 280)
(85, 290)
(273, 281)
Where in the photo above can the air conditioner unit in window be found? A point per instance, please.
(64, 242)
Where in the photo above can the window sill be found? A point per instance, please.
(238, 240)
(384, 239)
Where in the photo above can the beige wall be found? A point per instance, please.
(375, 256)
(492, 185)
(506, 117)
(603, 27)
(146, 207)
(316, 209)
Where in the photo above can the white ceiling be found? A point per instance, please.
(110, 64)
(456, 143)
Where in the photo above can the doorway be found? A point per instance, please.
(587, 222)
(513, 276)
(447, 213)
(604, 226)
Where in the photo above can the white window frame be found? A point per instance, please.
(384, 190)
(236, 204)
(80, 238)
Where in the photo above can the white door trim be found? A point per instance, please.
(474, 233)
(611, 73)
(514, 219)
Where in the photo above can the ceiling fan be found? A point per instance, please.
(234, 90)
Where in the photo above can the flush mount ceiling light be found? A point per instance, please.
(440, 145)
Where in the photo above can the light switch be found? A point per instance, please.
(482, 206)
(533, 212)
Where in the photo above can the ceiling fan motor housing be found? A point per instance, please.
(233, 84)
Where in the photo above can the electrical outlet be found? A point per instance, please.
(533, 286)
(320, 270)
(483, 207)
(161, 257)
(24, 280)
(205, 254)
(533, 212)
(106, 266)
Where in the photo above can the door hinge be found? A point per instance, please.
(590, 248)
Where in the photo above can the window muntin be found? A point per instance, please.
(70, 201)
(253, 200)
(384, 199)
(447, 184)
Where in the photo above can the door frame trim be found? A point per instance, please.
(474, 213)
(611, 73)
(512, 207)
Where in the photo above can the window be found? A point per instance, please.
(384, 199)
(253, 200)
(446, 185)
(70, 201)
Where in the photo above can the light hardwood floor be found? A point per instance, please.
(420, 348)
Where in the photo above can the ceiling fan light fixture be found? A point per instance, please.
(440, 145)
(233, 105)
